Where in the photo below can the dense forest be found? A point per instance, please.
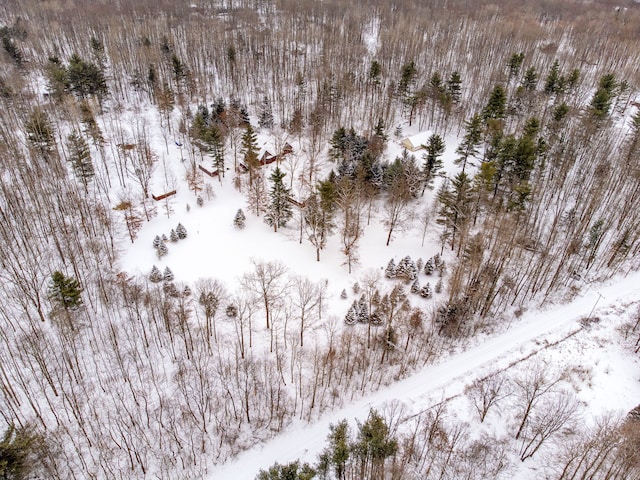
(107, 374)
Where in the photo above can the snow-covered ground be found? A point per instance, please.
(214, 248)
(614, 384)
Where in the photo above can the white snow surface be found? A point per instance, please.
(618, 391)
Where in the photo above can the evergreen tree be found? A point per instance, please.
(173, 236)
(373, 445)
(181, 231)
(496, 106)
(425, 292)
(407, 269)
(265, 118)
(453, 87)
(279, 209)
(352, 314)
(290, 471)
(250, 151)
(438, 287)
(162, 250)
(415, 286)
(65, 291)
(167, 275)
(432, 162)
(514, 64)
(390, 271)
(429, 267)
(86, 78)
(156, 275)
(179, 69)
(15, 446)
(343, 294)
(470, 142)
(407, 76)
(601, 101)
(80, 158)
(239, 219)
(553, 83)
(375, 71)
(40, 133)
(530, 79)
(157, 241)
(12, 50)
(338, 451)
(455, 206)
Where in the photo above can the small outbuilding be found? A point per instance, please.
(416, 142)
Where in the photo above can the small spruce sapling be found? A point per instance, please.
(162, 250)
(156, 275)
(167, 275)
(390, 271)
(352, 314)
(181, 231)
(425, 292)
(415, 286)
(438, 287)
(157, 242)
(239, 220)
(173, 236)
(356, 288)
(343, 294)
(429, 267)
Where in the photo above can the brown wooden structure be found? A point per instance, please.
(157, 198)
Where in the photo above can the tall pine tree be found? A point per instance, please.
(279, 209)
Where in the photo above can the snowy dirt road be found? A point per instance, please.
(533, 331)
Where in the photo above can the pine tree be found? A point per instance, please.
(415, 286)
(65, 291)
(363, 310)
(352, 314)
(155, 276)
(173, 236)
(162, 250)
(530, 79)
(167, 275)
(12, 49)
(157, 241)
(343, 294)
(279, 209)
(86, 78)
(250, 151)
(470, 142)
(239, 219)
(429, 267)
(407, 269)
(181, 231)
(453, 87)
(390, 271)
(40, 133)
(80, 158)
(432, 162)
(438, 287)
(16, 445)
(552, 83)
(407, 76)
(265, 118)
(514, 64)
(496, 105)
(425, 292)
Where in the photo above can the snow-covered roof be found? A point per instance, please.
(415, 142)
